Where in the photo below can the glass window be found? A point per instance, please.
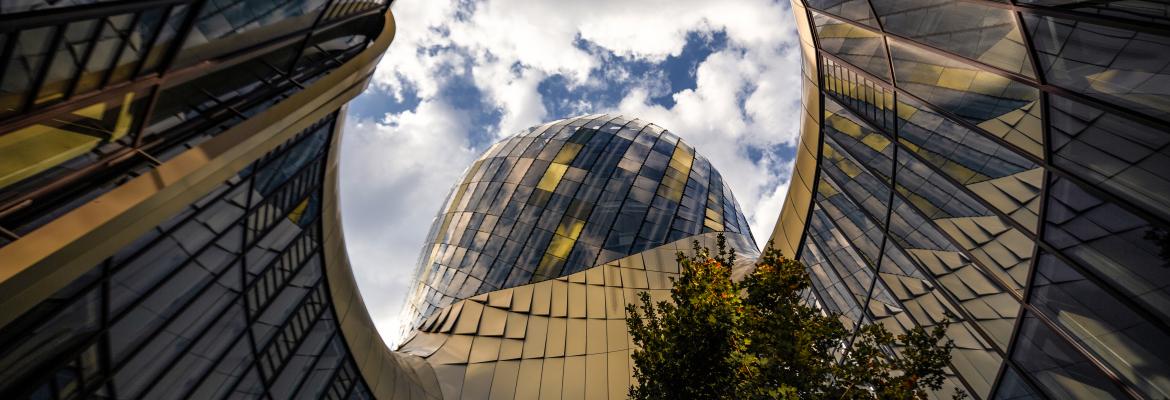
(969, 29)
(1120, 247)
(1122, 155)
(859, 46)
(1058, 368)
(1125, 340)
(853, 10)
(1115, 65)
(998, 105)
(30, 50)
(1145, 11)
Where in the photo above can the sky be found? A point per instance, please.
(463, 74)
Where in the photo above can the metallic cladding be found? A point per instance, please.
(1000, 166)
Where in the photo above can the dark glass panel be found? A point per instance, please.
(1118, 336)
(976, 31)
(1060, 370)
(853, 10)
(30, 53)
(1118, 246)
(1119, 154)
(67, 61)
(1144, 11)
(1115, 65)
(861, 47)
(105, 48)
(1012, 386)
(1002, 107)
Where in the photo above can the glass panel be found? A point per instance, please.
(1012, 386)
(1125, 340)
(854, 10)
(1059, 369)
(864, 97)
(859, 46)
(1119, 154)
(1008, 182)
(969, 29)
(1145, 11)
(30, 50)
(221, 19)
(1119, 66)
(1003, 107)
(1121, 248)
(134, 48)
(67, 60)
(106, 47)
(48, 150)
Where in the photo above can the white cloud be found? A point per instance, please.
(397, 170)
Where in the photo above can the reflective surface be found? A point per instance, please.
(1005, 172)
(562, 197)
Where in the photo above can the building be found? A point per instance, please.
(168, 218)
(522, 284)
(999, 165)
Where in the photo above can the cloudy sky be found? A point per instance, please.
(461, 75)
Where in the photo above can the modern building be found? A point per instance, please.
(168, 212)
(1000, 165)
(522, 284)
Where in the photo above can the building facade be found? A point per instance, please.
(521, 287)
(999, 165)
(168, 212)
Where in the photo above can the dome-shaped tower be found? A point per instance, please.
(562, 197)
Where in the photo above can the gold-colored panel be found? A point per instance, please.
(542, 298)
(511, 349)
(500, 298)
(493, 322)
(575, 337)
(450, 379)
(595, 297)
(595, 336)
(555, 342)
(522, 298)
(454, 351)
(468, 322)
(577, 300)
(574, 381)
(484, 349)
(517, 324)
(596, 374)
(504, 381)
(534, 342)
(560, 299)
(478, 381)
(551, 378)
(456, 309)
(528, 380)
(615, 303)
(615, 335)
(618, 370)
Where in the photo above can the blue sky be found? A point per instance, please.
(461, 75)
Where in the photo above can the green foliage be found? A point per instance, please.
(757, 339)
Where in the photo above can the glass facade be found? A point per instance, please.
(998, 165)
(166, 208)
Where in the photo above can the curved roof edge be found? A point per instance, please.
(788, 235)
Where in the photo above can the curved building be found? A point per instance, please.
(522, 285)
(999, 165)
(168, 220)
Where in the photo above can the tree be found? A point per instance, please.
(758, 339)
